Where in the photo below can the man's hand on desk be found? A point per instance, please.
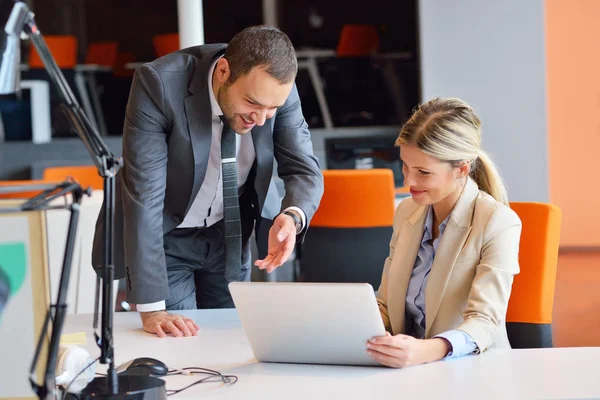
(401, 351)
(162, 323)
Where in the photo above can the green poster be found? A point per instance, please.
(13, 264)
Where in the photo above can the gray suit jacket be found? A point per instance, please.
(166, 144)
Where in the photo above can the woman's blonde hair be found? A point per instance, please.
(448, 129)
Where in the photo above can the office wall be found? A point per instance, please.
(492, 54)
(574, 117)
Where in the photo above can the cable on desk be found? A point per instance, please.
(213, 376)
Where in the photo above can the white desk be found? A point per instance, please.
(134, 65)
(222, 345)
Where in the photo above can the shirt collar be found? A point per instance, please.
(429, 225)
(214, 104)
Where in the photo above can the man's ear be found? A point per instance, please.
(222, 71)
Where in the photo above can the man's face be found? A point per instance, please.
(251, 99)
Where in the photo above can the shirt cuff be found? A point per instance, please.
(147, 307)
(302, 216)
(461, 343)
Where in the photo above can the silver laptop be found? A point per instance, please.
(310, 323)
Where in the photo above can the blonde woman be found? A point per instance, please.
(454, 250)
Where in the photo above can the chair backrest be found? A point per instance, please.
(102, 53)
(356, 198)
(350, 232)
(165, 43)
(358, 41)
(529, 314)
(63, 49)
(119, 69)
(85, 175)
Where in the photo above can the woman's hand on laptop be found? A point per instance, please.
(282, 237)
(162, 323)
(401, 351)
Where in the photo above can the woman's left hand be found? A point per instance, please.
(401, 351)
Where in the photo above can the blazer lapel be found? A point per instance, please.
(199, 118)
(456, 234)
(405, 254)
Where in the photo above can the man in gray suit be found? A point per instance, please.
(192, 190)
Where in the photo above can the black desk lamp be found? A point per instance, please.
(21, 21)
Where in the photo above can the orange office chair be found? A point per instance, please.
(352, 72)
(63, 49)
(165, 43)
(119, 70)
(529, 314)
(85, 175)
(102, 53)
(349, 235)
(358, 41)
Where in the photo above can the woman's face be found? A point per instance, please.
(430, 179)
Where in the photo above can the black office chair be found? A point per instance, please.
(349, 236)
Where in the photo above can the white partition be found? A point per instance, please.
(41, 127)
(22, 318)
(82, 283)
(43, 235)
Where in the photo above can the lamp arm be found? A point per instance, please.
(20, 20)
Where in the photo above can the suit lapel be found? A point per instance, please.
(199, 118)
(405, 254)
(262, 139)
(453, 240)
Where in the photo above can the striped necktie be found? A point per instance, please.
(231, 207)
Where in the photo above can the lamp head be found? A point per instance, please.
(16, 15)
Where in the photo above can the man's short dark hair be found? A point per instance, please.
(263, 46)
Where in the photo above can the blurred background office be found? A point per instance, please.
(529, 68)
